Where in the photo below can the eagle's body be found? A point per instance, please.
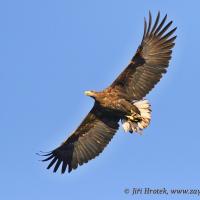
(122, 100)
(111, 99)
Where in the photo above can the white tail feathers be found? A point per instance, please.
(145, 114)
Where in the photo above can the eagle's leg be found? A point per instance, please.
(134, 117)
(138, 118)
(134, 114)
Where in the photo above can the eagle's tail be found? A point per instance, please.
(136, 123)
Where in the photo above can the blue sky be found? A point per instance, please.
(51, 51)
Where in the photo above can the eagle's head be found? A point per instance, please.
(91, 93)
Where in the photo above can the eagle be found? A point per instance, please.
(123, 101)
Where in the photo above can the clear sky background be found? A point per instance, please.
(51, 51)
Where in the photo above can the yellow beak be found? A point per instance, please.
(88, 93)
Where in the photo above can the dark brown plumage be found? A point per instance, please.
(150, 61)
(120, 101)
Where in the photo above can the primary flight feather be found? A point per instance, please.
(121, 101)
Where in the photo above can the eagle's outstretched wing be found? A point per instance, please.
(87, 142)
(150, 61)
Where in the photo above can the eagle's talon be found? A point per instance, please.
(130, 117)
(136, 118)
